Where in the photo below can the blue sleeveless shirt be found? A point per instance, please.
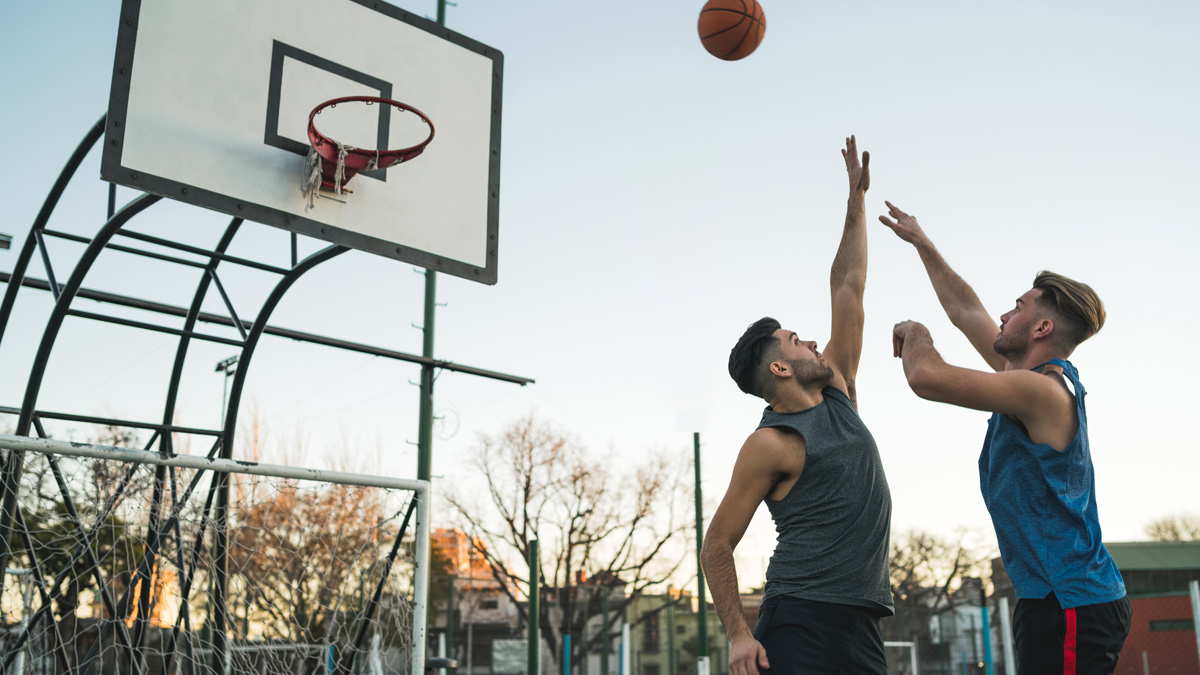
(1043, 506)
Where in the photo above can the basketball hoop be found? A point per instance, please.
(331, 164)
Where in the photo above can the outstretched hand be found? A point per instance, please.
(860, 174)
(904, 225)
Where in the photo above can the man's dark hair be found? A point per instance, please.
(757, 346)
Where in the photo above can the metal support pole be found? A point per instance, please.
(425, 409)
(425, 421)
(1006, 636)
(702, 618)
(567, 654)
(1194, 588)
(626, 648)
(583, 633)
(450, 607)
(987, 640)
(672, 657)
(607, 645)
(534, 612)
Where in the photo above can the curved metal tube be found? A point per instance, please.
(10, 472)
(145, 601)
(220, 517)
(43, 217)
(54, 323)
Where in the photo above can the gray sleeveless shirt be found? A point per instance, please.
(833, 525)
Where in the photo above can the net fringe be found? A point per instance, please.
(312, 172)
(340, 172)
(312, 177)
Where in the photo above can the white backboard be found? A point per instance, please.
(210, 103)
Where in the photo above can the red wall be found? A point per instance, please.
(1172, 652)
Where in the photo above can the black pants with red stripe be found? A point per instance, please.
(1054, 641)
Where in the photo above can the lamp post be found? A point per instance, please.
(229, 367)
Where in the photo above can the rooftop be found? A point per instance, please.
(1155, 555)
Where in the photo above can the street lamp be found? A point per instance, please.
(5, 241)
(229, 367)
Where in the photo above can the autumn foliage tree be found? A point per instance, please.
(614, 522)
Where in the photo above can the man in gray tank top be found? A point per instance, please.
(815, 464)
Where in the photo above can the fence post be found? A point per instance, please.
(1006, 636)
(1194, 588)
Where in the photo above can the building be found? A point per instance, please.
(482, 609)
(1162, 637)
(664, 632)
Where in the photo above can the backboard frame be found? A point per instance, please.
(115, 170)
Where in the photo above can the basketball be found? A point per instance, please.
(732, 29)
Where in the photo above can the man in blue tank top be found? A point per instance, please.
(815, 464)
(1035, 471)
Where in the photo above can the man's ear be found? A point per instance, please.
(1044, 329)
(781, 369)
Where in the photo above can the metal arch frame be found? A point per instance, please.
(28, 418)
(39, 223)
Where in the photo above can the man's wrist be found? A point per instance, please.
(740, 633)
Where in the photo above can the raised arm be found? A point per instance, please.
(962, 306)
(1039, 401)
(848, 276)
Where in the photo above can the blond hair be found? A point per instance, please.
(1076, 304)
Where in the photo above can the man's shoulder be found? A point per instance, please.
(775, 446)
(770, 437)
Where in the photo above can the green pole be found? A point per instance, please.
(450, 617)
(672, 666)
(583, 632)
(607, 644)
(534, 610)
(702, 628)
(425, 428)
(987, 641)
(425, 410)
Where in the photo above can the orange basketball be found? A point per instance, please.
(732, 29)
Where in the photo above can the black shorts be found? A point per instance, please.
(820, 638)
(1058, 641)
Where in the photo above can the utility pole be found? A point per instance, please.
(534, 612)
(702, 617)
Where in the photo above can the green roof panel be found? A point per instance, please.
(1155, 555)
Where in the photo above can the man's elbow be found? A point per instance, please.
(852, 285)
(711, 550)
(922, 381)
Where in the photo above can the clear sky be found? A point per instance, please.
(656, 200)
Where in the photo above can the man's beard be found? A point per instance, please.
(811, 373)
(1012, 345)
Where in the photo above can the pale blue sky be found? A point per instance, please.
(656, 200)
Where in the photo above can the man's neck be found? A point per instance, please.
(1033, 359)
(797, 399)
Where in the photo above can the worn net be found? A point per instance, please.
(114, 569)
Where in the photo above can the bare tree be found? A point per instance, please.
(926, 569)
(1175, 527)
(591, 519)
